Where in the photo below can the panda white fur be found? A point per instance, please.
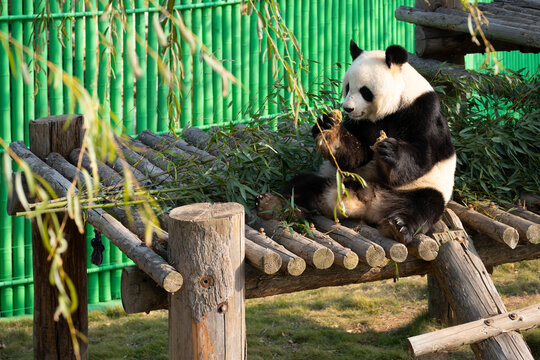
(410, 174)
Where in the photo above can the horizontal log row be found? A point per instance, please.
(524, 32)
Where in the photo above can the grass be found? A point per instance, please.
(365, 321)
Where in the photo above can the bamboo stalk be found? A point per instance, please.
(254, 63)
(78, 61)
(91, 46)
(17, 121)
(141, 82)
(151, 71)
(226, 33)
(198, 83)
(236, 66)
(163, 87)
(41, 48)
(246, 58)
(208, 83)
(217, 49)
(187, 93)
(6, 242)
(69, 105)
(103, 71)
(56, 97)
(128, 50)
(313, 44)
(116, 75)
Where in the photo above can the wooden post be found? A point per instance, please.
(206, 316)
(52, 339)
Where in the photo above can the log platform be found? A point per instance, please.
(278, 260)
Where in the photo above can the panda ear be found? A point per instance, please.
(355, 50)
(397, 55)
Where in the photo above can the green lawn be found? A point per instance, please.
(366, 321)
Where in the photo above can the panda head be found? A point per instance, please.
(379, 83)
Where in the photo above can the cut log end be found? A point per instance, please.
(350, 261)
(533, 234)
(271, 262)
(424, 247)
(398, 252)
(375, 256)
(205, 211)
(173, 282)
(323, 258)
(510, 237)
(296, 266)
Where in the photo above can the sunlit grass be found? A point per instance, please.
(365, 321)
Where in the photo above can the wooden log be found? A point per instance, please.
(266, 260)
(14, 204)
(119, 166)
(156, 158)
(424, 247)
(474, 331)
(343, 256)
(313, 253)
(144, 165)
(290, 263)
(261, 285)
(52, 339)
(190, 149)
(394, 250)
(162, 145)
(523, 35)
(134, 223)
(126, 241)
(528, 231)
(207, 317)
(135, 286)
(438, 307)
(107, 176)
(483, 224)
(472, 294)
(368, 252)
(525, 214)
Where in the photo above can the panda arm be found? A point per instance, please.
(339, 143)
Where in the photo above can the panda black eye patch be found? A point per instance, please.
(366, 94)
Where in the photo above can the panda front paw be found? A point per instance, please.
(387, 150)
(326, 122)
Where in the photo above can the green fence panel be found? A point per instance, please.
(137, 100)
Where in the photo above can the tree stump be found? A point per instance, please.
(206, 316)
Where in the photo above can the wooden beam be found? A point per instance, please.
(207, 316)
(528, 231)
(474, 331)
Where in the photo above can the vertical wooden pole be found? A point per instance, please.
(52, 339)
(438, 307)
(206, 317)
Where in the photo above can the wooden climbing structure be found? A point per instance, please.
(204, 260)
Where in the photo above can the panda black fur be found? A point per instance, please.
(410, 174)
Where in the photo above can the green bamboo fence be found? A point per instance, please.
(106, 57)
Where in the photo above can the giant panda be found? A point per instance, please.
(410, 174)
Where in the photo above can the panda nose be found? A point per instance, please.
(348, 109)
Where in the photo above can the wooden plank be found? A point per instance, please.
(206, 317)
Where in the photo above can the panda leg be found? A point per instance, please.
(410, 212)
(308, 189)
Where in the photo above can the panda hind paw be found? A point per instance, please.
(396, 227)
